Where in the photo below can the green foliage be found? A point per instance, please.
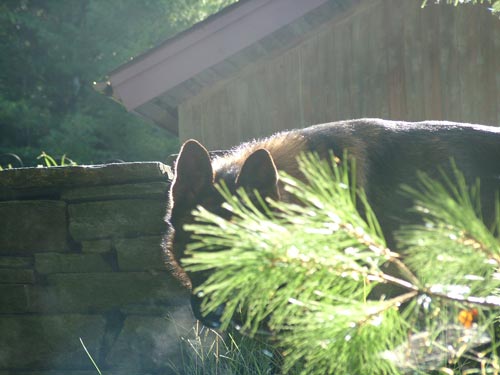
(48, 161)
(344, 337)
(205, 351)
(307, 269)
(453, 220)
(51, 162)
(53, 51)
(328, 215)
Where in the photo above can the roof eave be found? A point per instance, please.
(204, 45)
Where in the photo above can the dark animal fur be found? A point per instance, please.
(387, 153)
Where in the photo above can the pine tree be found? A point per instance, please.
(306, 270)
(494, 5)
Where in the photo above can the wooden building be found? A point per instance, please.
(260, 66)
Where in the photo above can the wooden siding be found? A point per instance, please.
(388, 59)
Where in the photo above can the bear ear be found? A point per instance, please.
(193, 172)
(259, 173)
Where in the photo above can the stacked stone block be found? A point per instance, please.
(81, 261)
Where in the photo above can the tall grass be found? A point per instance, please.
(207, 352)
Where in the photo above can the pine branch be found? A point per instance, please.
(342, 338)
(494, 3)
(290, 252)
(306, 268)
(452, 220)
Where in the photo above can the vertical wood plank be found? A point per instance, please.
(489, 73)
(450, 89)
(466, 27)
(379, 67)
(339, 87)
(345, 74)
(394, 51)
(413, 63)
(431, 63)
(356, 74)
(330, 111)
(369, 55)
(495, 71)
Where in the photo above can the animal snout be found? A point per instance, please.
(210, 320)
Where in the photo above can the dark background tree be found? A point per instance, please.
(53, 50)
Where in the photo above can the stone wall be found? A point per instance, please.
(81, 257)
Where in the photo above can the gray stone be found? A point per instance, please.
(91, 292)
(147, 343)
(155, 190)
(49, 341)
(32, 226)
(15, 262)
(96, 246)
(46, 263)
(86, 372)
(14, 298)
(17, 276)
(142, 253)
(119, 218)
(54, 372)
(35, 182)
